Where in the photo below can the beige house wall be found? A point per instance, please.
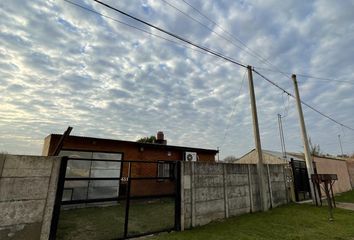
(325, 165)
(251, 158)
(335, 166)
(350, 165)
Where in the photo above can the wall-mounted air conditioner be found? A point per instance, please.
(190, 156)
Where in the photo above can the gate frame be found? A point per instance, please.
(295, 178)
(60, 189)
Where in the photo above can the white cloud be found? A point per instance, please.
(61, 65)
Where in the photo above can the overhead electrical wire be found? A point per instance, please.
(247, 49)
(134, 27)
(220, 55)
(207, 27)
(212, 52)
(307, 76)
(233, 110)
(304, 103)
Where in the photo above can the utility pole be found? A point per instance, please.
(308, 157)
(218, 154)
(340, 144)
(257, 140)
(281, 133)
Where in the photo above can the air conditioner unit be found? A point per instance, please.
(190, 156)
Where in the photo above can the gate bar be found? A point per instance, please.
(127, 203)
(58, 197)
(178, 196)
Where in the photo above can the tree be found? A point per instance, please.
(151, 139)
(315, 149)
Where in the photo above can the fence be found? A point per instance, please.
(213, 191)
(27, 192)
(158, 195)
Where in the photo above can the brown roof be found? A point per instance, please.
(153, 145)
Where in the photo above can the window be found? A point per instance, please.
(164, 170)
(91, 166)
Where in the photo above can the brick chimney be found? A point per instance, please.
(160, 138)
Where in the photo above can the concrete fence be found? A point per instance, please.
(211, 191)
(27, 192)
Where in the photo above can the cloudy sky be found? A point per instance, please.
(61, 65)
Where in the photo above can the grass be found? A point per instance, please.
(108, 222)
(286, 222)
(347, 197)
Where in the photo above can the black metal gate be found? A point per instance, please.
(301, 180)
(115, 199)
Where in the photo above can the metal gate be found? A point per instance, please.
(301, 180)
(115, 199)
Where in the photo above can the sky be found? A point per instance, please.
(61, 65)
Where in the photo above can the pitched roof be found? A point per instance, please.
(152, 145)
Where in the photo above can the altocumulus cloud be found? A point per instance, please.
(61, 65)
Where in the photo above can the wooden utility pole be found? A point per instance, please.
(257, 140)
(308, 157)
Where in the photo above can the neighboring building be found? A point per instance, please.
(323, 165)
(269, 157)
(98, 148)
(350, 165)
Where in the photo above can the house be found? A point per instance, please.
(350, 165)
(149, 161)
(322, 165)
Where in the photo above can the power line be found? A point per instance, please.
(307, 76)
(304, 103)
(248, 50)
(140, 29)
(215, 54)
(285, 105)
(173, 35)
(233, 111)
(324, 79)
(210, 29)
(134, 27)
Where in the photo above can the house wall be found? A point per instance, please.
(211, 191)
(27, 193)
(335, 166)
(324, 165)
(132, 151)
(251, 158)
(350, 165)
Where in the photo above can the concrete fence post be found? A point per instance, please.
(250, 188)
(285, 185)
(182, 195)
(192, 194)
(226, 202)
(2, 162)
(270, 188)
